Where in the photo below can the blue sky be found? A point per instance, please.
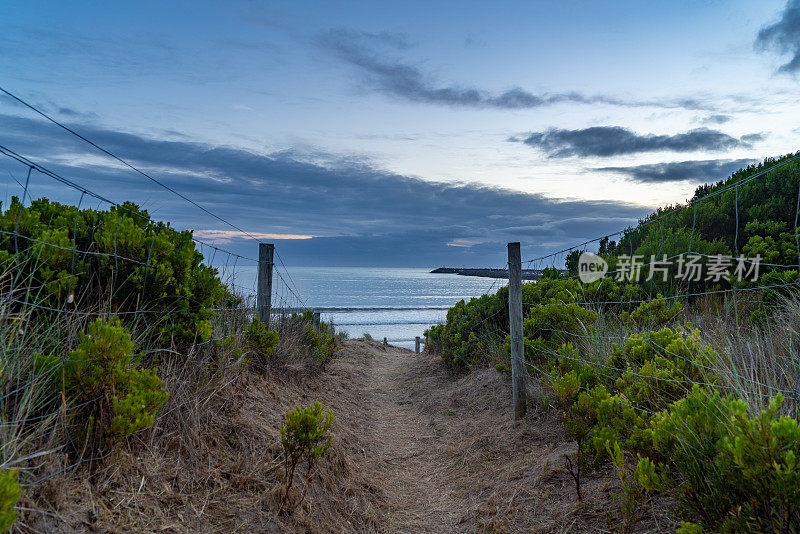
(414, 133)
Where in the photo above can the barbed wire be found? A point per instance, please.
(691, 203)
(4, 150)
(124, 162)
(282, 272)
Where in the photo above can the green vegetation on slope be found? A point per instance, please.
(108, 326)
(697, 414)
(118, 260)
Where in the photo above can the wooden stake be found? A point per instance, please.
(264, 294)
(515, 320)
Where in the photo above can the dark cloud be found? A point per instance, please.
(615, 140)
(50, 107)
(73, 114)
(716, 118)
(754, 137)
(402, 80)
(364, 215)
(709, 170)
(473, 40)
(784, 36)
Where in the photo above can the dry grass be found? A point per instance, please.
(211, 463)
(415, 450)
(511, 477)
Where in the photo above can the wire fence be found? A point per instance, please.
(751, 379)
(239, 271)
(236, 270)
(46, 272)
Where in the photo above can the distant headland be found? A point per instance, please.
(527, 274)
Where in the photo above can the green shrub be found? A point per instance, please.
(260, 341)
(461, 340)
(659, 367)
(655, 313)
(321, 344)
(144, 397)
(305, 436)
(632, 492)
(555, 324)
(733, 472)
(610, 403)
(566, 387)
(166, 275)
(101, 372)
(9, 495)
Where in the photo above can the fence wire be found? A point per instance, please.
(25, 290)
(736, 374)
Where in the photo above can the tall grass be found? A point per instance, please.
(42, 429)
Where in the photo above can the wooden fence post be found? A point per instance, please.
(316, 322)
(515, 320)
(416, 345)
(264, 294)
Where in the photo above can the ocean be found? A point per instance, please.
(396, 303)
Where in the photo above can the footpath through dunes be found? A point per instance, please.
(447, 457)
(415, 449)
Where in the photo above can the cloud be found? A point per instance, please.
(606, 141)
(225, 236)
(783, 36)
(709, 170)
(754, 137)
(475, 40)
(369, 216)
(402, 80)
(50, 107)
(716, 118)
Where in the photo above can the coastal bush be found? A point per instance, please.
(605, 404)
(260, 341)
(654, 313)
(305, 436)
(459, 340)
(119, 259)
(9, 495)
(101, 374)
(554, 324)
(733, 472)
(322, 343)
(659, 367)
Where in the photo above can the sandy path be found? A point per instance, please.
(406, 455)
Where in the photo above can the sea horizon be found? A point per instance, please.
(396, 303)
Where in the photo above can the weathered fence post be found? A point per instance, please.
(515, 320)
(316, 322)
(416, 345)
(264, 294)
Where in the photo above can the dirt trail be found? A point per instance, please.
(405, 453)
(415, 450)
(446, 456)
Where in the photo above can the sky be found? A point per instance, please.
(397, 134)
